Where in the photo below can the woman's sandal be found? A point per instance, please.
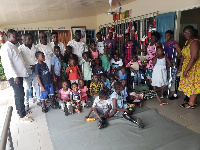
(189, 106)
(44, 109)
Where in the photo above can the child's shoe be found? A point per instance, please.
(66, 111)
(44, 109)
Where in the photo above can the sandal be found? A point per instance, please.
(44, 109)
(102, 124)
(189, 106)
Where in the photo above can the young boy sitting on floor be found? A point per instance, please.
(101, 108)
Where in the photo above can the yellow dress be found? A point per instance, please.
(191, 84)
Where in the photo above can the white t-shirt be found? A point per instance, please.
(12, 61)
(28, 56)
(48, 53)
(100, 47)
(101, 106)
(61, 45)
(78, 48)
(116, 64)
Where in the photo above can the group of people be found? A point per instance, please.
(75, 74)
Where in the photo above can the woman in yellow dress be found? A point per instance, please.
(190, 67)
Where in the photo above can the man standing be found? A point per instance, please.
(78, 47)
(55, 42)
(15, 70)
(45, 48)
(28, 50)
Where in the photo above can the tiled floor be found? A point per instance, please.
(35, 135)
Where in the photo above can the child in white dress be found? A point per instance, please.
(159, 76)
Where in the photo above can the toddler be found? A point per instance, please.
(73, 71)
(95, 86)
(84, 91)
(134, 65)
(64, 98)
(75, 97)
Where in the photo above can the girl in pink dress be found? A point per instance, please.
(93, 51)
(84, 91)
(151, 52)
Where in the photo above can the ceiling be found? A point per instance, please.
(29, 11)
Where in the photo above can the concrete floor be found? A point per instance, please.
(35, 135)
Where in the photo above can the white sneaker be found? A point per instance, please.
(26, 119)
(161, 96)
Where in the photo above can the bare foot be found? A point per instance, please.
(163, 103)
(79, 111)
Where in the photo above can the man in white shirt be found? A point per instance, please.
(28, 50)
(78, 47)
(15, 70)
(55, 42)
(45, 48)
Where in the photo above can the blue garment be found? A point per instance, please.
(56, 62)
(107, 84)
(48, 91)
(120, 101)
(43, 71)
(100, 70)
(137, 76)
(124, 93)
(124, 76)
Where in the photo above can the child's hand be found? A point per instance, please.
(86, 117)
(106, 115)
(127, 111)
(54, 79)
(42, 89)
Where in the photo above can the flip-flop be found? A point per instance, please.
(189, 106)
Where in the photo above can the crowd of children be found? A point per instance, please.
(98, 74)
(103, 74)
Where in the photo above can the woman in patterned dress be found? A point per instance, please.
(190, 67)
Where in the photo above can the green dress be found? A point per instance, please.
(86, 70)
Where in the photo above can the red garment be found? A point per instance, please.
(73, 73)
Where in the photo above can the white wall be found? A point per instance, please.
(89, 22)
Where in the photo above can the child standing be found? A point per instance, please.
(75, 97)
(84, 91)
(119, 108)
(86, 68)
(73, 71)
(56, 68)
(93, 51)
(105, 58)
(101, 107)
(129, 48)
(100, 43)
(134, 66)
(95, 86)
(64, 96)
(159, 76)
(44, 81)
